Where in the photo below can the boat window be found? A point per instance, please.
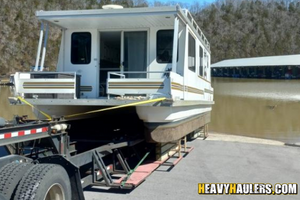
(81, 48)
(192, 54)
(201, 61)
(164, 46)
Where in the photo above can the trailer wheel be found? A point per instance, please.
(44, 182)
(10, 176)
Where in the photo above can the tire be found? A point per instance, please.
(10, 176)
(43, 182)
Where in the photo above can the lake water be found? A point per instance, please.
(7, 111)
(257, 108)
(249, 107)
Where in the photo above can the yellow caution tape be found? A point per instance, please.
(116, 107)
(26, 102)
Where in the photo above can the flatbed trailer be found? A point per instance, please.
(39, 160)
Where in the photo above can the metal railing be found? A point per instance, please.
(137, 85)
(121, 74)
(47, 85)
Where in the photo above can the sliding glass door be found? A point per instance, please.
(135, 53)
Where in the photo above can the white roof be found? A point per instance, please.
(111, 18)
(126, 18)
(287, 60)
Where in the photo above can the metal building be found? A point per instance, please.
(276, 67)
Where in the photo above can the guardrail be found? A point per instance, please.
(47, 85)
(122, 74)
(137, 86)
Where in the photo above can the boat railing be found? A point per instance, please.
(122, 74)
(116, 74)
(193, 25)
(47, 85)
(127, 83)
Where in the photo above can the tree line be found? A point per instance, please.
(234, 28)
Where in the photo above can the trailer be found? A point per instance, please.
(42, 160)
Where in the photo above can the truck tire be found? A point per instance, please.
(44, 182)
(10, 176)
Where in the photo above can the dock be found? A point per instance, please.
(268, 67)
(218, 159)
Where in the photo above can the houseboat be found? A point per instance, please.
(154, 60)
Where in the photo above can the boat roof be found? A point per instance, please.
(285, 60)
(111, 18)
(126, 18)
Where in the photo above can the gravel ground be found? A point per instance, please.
(218, 159)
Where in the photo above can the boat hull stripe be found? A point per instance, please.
(208, 91)
(48, 87)
(178, 86)
(136, 85)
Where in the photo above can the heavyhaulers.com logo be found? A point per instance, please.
(248, 188)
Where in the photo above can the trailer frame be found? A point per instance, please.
(59, 151)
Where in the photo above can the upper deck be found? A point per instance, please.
(125, 18)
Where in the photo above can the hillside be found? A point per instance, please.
(235, 28)
(19, 30)
(250, 28)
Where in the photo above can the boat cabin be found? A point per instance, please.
(158, 51)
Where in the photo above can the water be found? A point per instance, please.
(7, 111)
(249, 107)
(257, 108)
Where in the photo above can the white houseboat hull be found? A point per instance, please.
(148, 114)
(170, 114)
(163, 123)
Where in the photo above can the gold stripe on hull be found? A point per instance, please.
(48, 83)
(179, 87)
(36, 88)
(208, 91)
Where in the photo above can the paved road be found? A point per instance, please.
(214, 161)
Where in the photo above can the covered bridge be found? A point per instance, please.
(277, 67)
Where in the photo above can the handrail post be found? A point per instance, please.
(175, 44)
(44, 48)
(107, 81)
(39, 48)
(75, 86)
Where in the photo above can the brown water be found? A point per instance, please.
(257, 108)
(250, 107)
(7, 111)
